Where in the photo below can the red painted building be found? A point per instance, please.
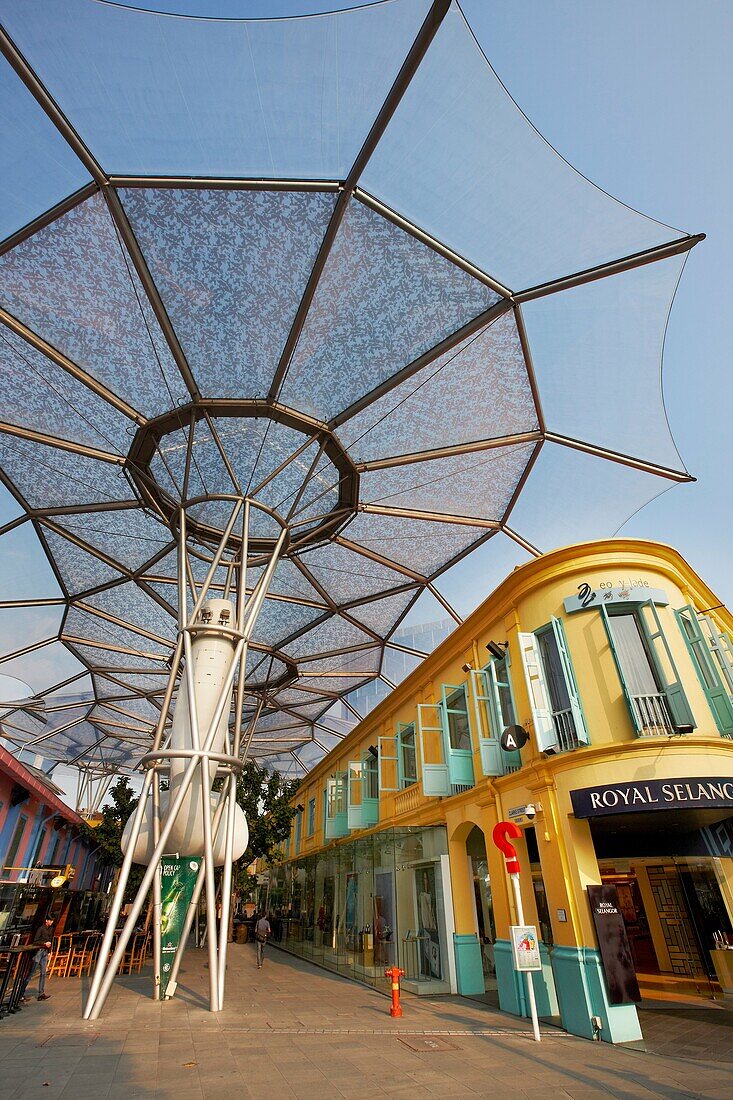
(38, 829)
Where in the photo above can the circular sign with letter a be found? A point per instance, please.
(513, 738)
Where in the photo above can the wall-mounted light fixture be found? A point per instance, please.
(374, 751)
(467, 667)
(498, 649)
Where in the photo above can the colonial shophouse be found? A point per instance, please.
(615, 659)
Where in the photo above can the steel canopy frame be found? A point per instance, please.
(334, 596)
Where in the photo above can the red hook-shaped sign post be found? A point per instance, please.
(502, 830)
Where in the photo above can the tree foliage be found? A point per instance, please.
(107, 836)
(265, 798)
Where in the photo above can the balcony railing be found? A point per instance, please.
(652, 715)
(567, 738)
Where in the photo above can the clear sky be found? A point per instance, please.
(636, 94)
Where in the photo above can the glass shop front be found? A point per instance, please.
(361, 906)
(670, 878)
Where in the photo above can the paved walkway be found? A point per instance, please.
(294, 1031)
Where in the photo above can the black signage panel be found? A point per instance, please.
(653, 794)
(513, 738)
(613, 943)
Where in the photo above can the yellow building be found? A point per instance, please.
(615, 658)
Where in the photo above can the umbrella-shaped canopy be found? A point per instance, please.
(325, 263)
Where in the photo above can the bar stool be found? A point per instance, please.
(61, 950)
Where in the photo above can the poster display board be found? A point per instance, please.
(613, 944)
(384, 922)
(178, 878)
(428, 933)
(525, 947)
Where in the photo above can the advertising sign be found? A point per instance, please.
(525, 947)
(514, 738)
(618, 965)
(178, 878)
(628, 590)
(428, 933)
(714, 793)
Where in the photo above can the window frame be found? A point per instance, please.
(679, 712)
(553, 727)
(404, 728)
(704, 660)
(16, 838)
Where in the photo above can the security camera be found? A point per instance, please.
(498, 649)
(530, 811)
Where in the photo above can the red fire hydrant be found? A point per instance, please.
(394, 973)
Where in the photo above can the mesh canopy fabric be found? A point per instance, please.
(326, 264)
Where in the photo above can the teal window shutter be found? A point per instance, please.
(722, 649)
(457, 734)
(369, 789)
(298, 830)
(682, 715)
(539, 699)
(336, 807)
(311, 816)
(406, 754)
(707, 670)
(633, 713)
(435, 782)
(487, 722)
(581, 729)
(388, 765)
(355, 794)
(501, 685)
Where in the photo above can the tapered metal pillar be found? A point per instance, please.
(196, 763)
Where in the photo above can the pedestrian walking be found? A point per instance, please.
(262, 932)
(41, 940)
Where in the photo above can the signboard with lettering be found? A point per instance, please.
(607, 592)
(653, 794)
(613, 944)
(178, 878)
(525, 947)
(514, 738)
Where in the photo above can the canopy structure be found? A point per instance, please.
(324, 265)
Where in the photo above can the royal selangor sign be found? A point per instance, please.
(653, 794)
(613, 944)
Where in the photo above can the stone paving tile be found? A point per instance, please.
(296, 1031)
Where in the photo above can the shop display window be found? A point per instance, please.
(368, 904)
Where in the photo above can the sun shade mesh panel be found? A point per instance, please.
(455, 359)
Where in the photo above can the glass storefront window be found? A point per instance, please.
(368, 904)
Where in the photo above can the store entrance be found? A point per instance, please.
(635, 919)
(476, 850)
(675, 905)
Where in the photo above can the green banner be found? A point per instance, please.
(178, 878)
